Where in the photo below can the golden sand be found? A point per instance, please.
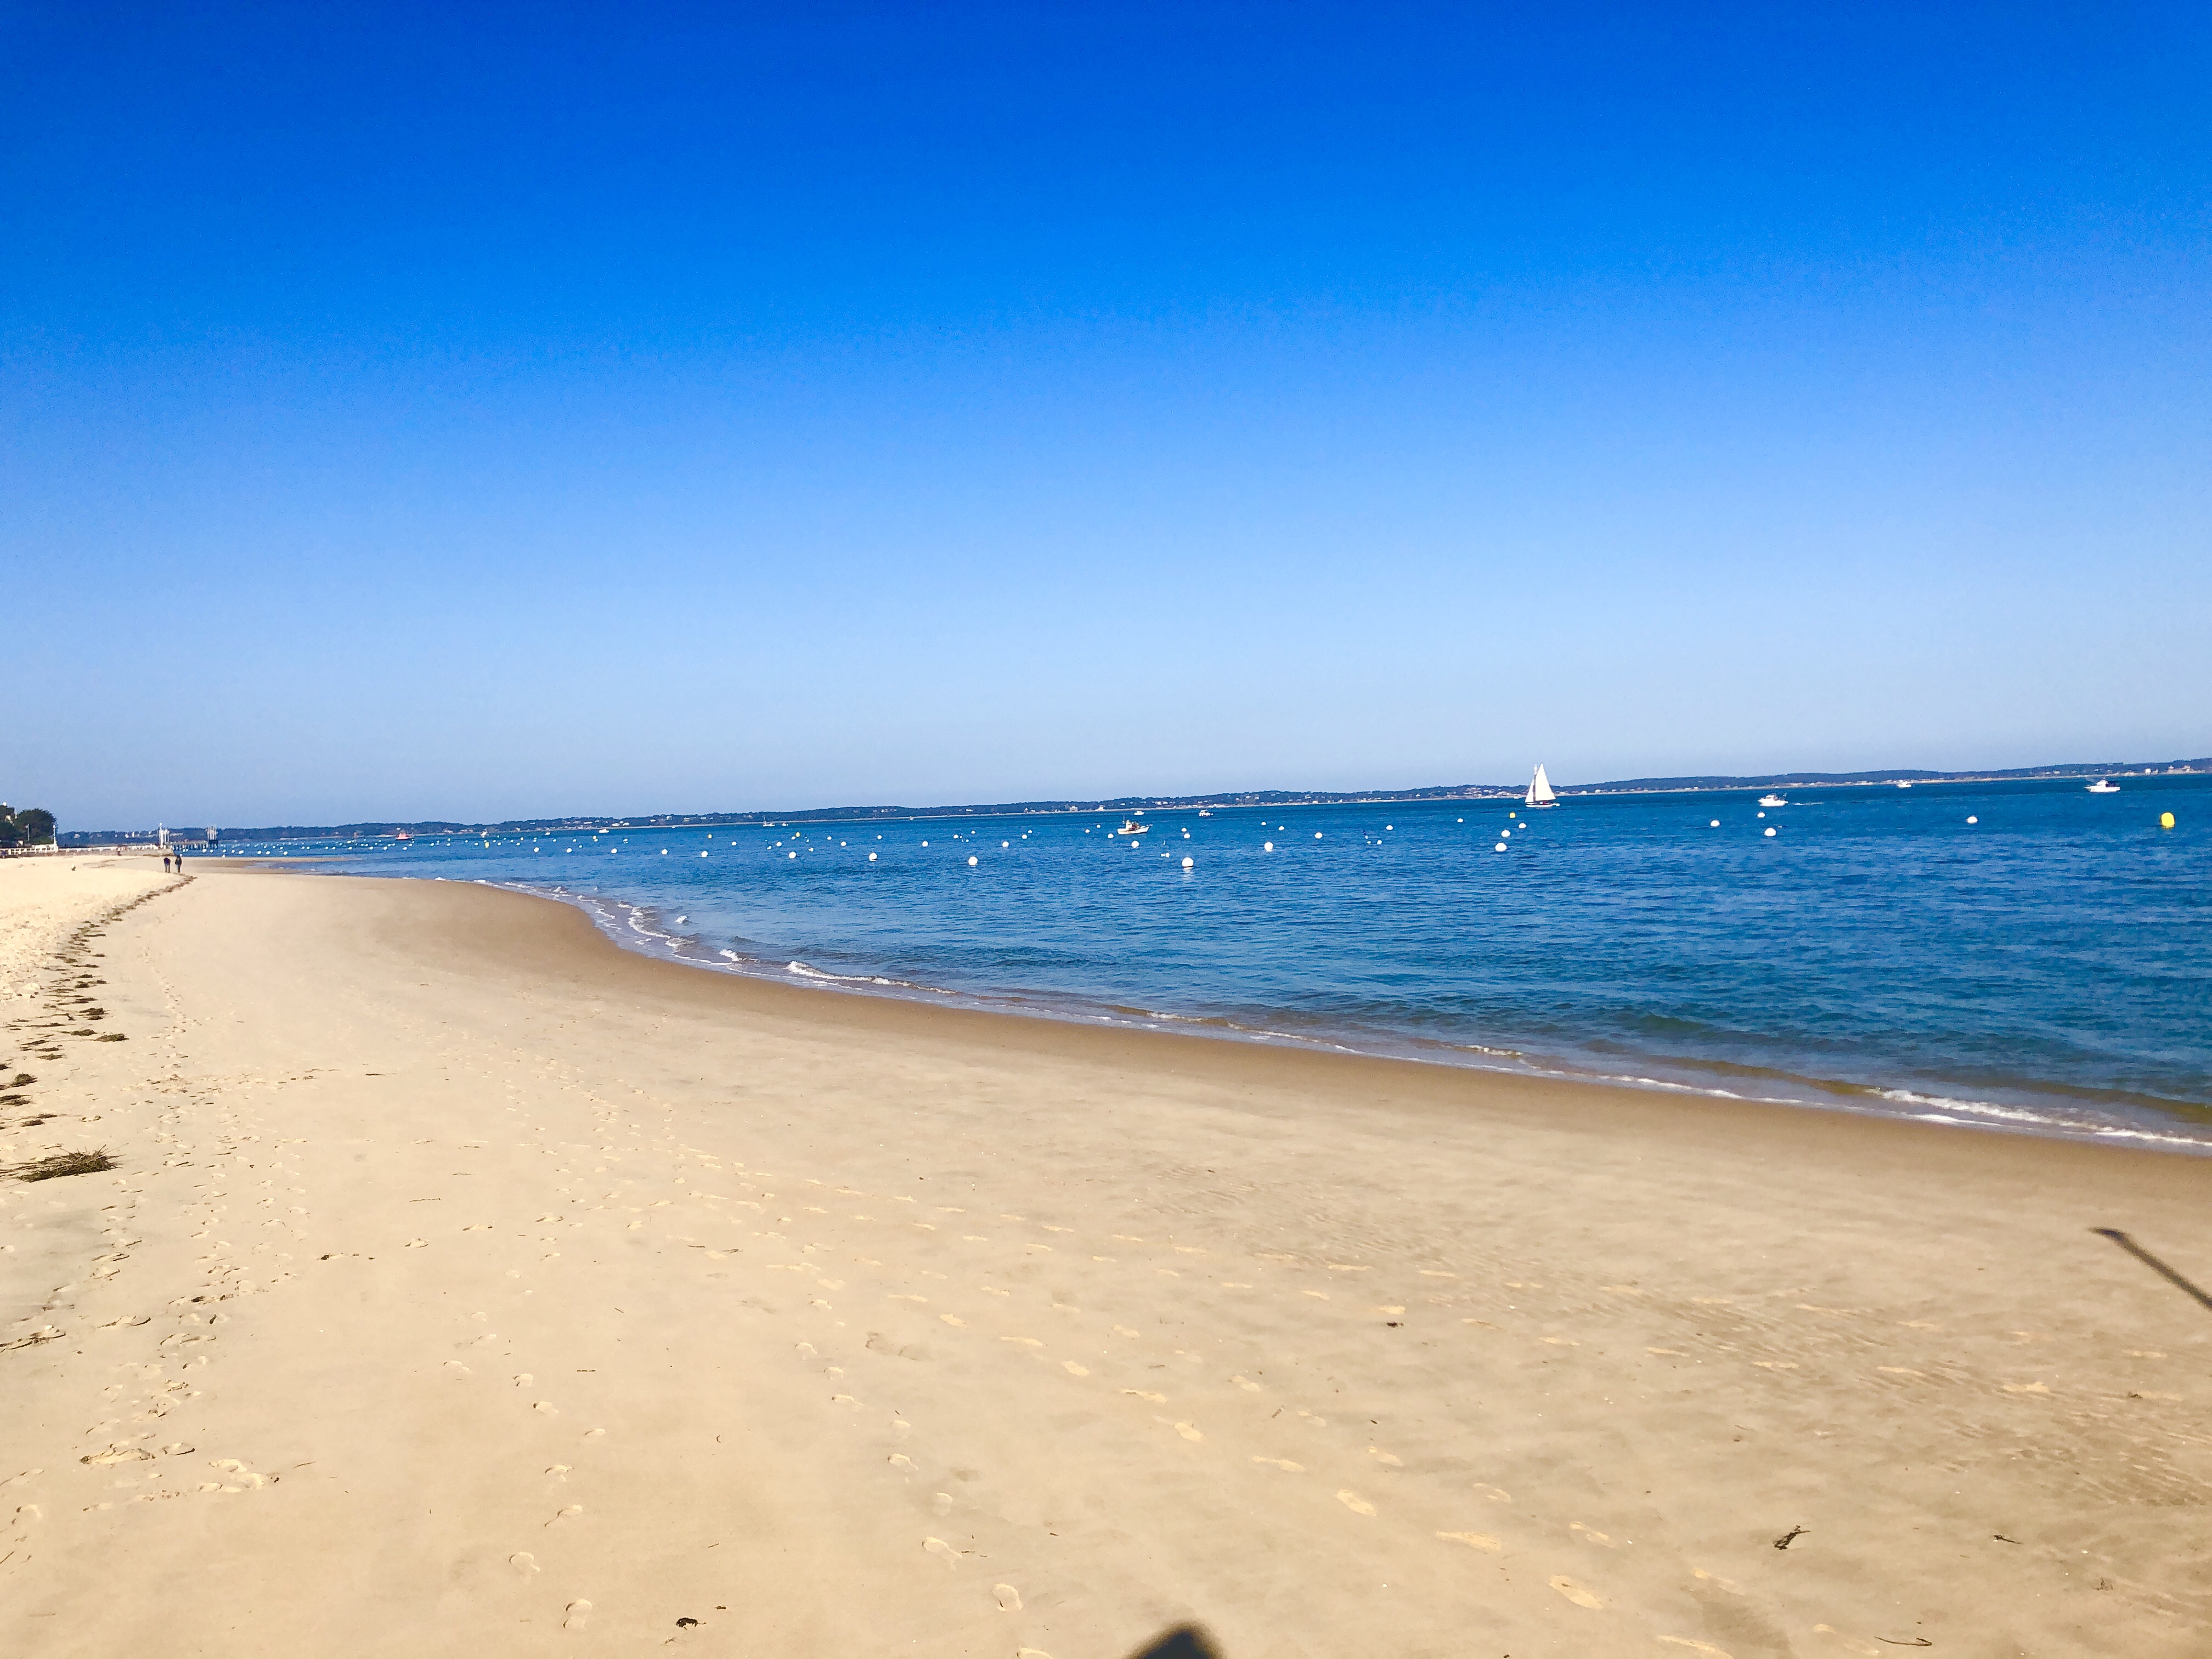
(465, 1285)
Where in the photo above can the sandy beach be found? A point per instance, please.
(463, 1285)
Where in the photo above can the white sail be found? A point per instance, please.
(1539, 790)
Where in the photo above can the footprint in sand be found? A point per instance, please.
(1590, 1535)
(1025, 1341)
(575, 1614)
(1282, 1463)
(545, 1407)
(1576, 1593)
(116, 1455)
(1390, 1458)
(900, 1461)
(955, 1320)
(1355, 1503)
(1139, 1394)
(566, 1513)
(1188, 1432)
(1072, 1369)
(1495, 1494)
(1473, 1540)
(523, 1562)
(1246, 1383)
(943, 1551)
(1009, 1598)
(1123, 1330)
(1696, 1646)
(942, 1502)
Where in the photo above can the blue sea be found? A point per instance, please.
(2025, 957)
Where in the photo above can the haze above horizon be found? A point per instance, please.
(418, 415)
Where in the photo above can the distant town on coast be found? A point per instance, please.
(1270, 798)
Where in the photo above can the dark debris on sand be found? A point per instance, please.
(63, 1163)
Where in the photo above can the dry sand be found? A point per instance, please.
(467, 1286)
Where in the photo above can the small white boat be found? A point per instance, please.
(2104, 787)
(1540, 791)
(1904, 785)
(1131, 827)
(1772, 801)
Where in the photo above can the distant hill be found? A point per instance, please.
(1285, 798)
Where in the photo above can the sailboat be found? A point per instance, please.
(1540, 791)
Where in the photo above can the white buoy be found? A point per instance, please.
(1005, 844)
(703, 855)
(1717, 824)
(1389, 826)
(924, 843)
(871, 858)
(791, 856)
(1188, 863)
(1974, 820)
(1762, 815)
(971, 860)
(1499, 847)
(1316, 835)
(1267, 846)
(663, 851)
(1769, 831)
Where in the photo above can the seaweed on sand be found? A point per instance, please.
(63, 1163)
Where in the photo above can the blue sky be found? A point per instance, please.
(476, 412)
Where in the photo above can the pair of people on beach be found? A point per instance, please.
(173, 863)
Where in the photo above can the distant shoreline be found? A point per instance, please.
(1272, 800)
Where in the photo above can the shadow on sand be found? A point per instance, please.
(2149, 1261)
(1186, 1642)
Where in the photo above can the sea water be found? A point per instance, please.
(2044, 968)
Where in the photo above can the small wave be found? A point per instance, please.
(804, 972)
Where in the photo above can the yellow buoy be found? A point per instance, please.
(2166, 820)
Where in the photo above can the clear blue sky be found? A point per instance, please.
(474, 411)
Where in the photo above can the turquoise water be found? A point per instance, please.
(2047, 968)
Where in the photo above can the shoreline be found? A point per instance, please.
(464, 1282)
(1897, 1102)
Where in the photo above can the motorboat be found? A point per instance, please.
(1131, 827)
(1772, 801)
(2104, 787)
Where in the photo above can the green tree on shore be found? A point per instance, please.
(31, 827)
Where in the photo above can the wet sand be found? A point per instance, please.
(465, 1285)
